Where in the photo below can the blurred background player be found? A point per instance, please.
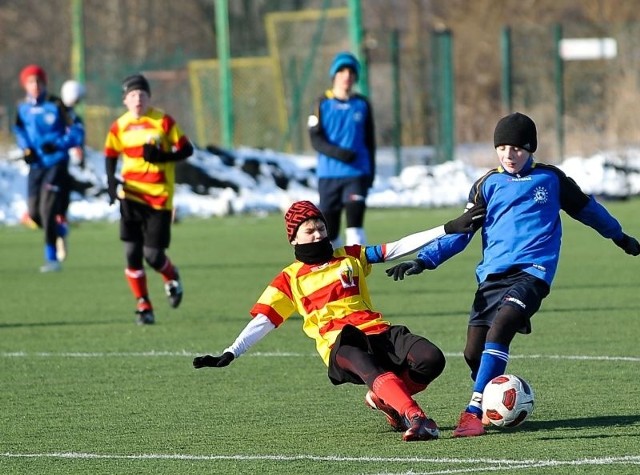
(328, 288)
(45, 133)
(71, 93)
(150, 143)
(521, 239)
(341, 130)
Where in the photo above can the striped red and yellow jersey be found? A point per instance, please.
(148, 183)
(327, 296)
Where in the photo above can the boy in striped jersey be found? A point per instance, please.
(150, 143)
(328, 288)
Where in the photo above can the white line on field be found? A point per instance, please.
(277, 354)
(493, 464)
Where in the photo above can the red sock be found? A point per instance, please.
(137, 280)
(392, 391)
(168, 271)
(412, 386)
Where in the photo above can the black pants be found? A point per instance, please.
(46, 189)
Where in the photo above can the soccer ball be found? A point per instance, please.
(507, 401)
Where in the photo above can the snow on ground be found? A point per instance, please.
(219, 183)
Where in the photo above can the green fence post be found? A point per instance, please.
(506, 90)
(395, 81)
(77, 46)
(224, 65)
(559, 79)
(356, 38)
(444, 93)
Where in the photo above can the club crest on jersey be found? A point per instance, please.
(346, 277)
(540, 195)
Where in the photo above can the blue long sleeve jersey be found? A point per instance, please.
(45, 120)
(343, 134)
(522, 229)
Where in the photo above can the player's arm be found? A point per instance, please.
(588, 211)
(255, 331)
(152, 153)
(319, 140)
(468, 222)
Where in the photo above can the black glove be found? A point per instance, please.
(467, 222)
(628, 244)
(213, 361)
(29, 156)
(152, 154)
(345, 155)
(48, 147)
(405, 268)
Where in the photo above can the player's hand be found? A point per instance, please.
(29, 156)
(150, 153)
(213, 361)
(628, 244)
(467, 222)
(405, 268)
(48, 147)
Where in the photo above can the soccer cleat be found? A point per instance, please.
(145, 317)
(173, 289)
(421, 427)
(51, 266)
(395, 420)
(469, 425)
(144, 312)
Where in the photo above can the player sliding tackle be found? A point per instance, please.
(328, 288)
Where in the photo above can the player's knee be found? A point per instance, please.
(429, 366)
(154, 257)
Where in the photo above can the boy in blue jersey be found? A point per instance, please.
(45, 133)
(341, 130)
(521, 247)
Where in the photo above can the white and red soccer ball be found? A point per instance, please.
(507, 400)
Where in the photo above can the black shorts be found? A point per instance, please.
(336, 192)
(390, 349)
(517, 289)
(141, 223)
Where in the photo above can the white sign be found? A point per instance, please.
(588, 48)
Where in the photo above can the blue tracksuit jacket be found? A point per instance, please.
(522, 229)
(44, 120)
(342, 132)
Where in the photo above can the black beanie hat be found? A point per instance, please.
(517, 130)
(135, 82)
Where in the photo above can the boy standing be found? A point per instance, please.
(150, 143)
(521, 248)
(45, 133)
(328, 288)
(341, 130)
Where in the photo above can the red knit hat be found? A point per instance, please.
(32, 70)
(298, 213)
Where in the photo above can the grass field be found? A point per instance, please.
(86, 391)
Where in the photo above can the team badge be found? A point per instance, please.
(346, 277)
(540, 195)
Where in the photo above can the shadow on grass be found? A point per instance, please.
(56, 324)
(582, 422)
